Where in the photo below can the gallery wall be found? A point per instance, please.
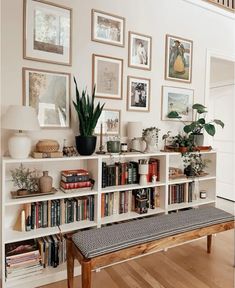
(207, 30)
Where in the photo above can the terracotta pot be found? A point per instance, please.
(183, 149)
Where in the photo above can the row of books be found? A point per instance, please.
(57, 212)
(180, 193)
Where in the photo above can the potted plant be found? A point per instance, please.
(150, 136)
(194, 164)
(182, 142)
(88, 116)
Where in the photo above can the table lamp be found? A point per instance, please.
(134, 133)
(21, 118)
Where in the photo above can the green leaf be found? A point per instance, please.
(210, 129)
(201, 121)
(219, 122)
(198, 106)
(173, 114)
(188, 128)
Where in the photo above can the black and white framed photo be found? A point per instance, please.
(179, 100)
(140, 50)
(47, 32)
(107, 75)
(110, 120)
(138, 92)
(49, 93)
(107, 28)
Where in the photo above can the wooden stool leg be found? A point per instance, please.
(70, 263)
(209, 241)
(86, 274)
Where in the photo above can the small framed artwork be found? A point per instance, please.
(107, 28)
(107, 76)
(140, 49)
(110, 120)
(179, 52)
(47, 32)
(179, 100)
(138, 91)
(49, 93)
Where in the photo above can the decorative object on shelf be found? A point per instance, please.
(142, 202)
(114, 145)
(176, 173)
(124, 147)
(140, 49)
(107, 28)
(134, 133)
(47, 32)
(180, 100)
(154, 179)
(194, 165)
(40, 155)
(111, 122)
(107, 76)
(20, 118)
(150, 136)
(203, 194)
(45, 182)
(88, 116)
(69, 151)
(178, 66)
(47, 146)
(165, 138)
(143, 171)
(49, 93)
(18, 195)
(138, 92)
(101, 147)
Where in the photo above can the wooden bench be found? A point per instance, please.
(108, 245)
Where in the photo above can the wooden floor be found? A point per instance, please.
(186, 266)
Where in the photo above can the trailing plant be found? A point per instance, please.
(182, 140)
(194, 163)
(88, 114)
(24, 179)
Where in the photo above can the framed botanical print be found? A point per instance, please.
(140, 49)
(179, 100)
(179, 52)
(110, 120)
(107, 76)
(49, 93)
(107, 28)
(47, 32)
(138, 92)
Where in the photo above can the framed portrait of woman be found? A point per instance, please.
(179, 52)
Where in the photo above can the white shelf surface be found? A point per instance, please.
(190, 204)
(133, 155)
(188, 180)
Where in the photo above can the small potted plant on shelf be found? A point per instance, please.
(194, 165)
(88, 116)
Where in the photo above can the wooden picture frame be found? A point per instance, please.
(47, 32)
(178, 59)
(139, 51)
(107, 28)
(49, 93)
(138, 94)
(107, 76)
(111, 122)
(177, 99)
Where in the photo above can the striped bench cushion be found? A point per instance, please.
(99, 241)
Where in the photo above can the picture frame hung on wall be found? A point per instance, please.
(107, 76)
(111, 122)
(107, 28)
(179, 100)
(178, 59)
(47, 32)
(49, 93)
(138, 94)
(140, 51)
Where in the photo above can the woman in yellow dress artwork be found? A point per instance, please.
(177, 60)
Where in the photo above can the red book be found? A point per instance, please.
(75, 185)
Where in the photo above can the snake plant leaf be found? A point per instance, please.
(210, 129)
(219, 122)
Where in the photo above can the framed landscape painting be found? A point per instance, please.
(140, 49)
(107, 76)
(107, 28)
(49, 93)
(179, 52)
(138, 92)
(110, 120)
(179, 100)
(47, 32)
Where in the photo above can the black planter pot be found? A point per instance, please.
(188, 171)
(85, 144)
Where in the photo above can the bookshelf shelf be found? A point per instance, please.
(130, 187)
(194, 203)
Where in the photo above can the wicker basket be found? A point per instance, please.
(47, 145)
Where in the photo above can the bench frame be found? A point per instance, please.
(89, 264)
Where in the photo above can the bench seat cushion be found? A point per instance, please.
(99, 241)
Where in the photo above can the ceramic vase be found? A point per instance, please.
(45, 183)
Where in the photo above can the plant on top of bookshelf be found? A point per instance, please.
(182, 142)
(194, 165)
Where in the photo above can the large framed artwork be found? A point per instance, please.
(179, 52)
(107, 76)
(140, 49)
(179, 100)
(110, 120)
(138, 92)
(47, 32)
(49, 93)
(107, 28)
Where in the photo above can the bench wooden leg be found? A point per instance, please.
(209, 241)
(86, 274)
(70, 263)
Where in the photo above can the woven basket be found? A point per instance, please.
(47, 145)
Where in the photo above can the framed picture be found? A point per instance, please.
(107, 76)
(179, 52)
(47, 32)
(110, 120)
(179, 100)
(140, 49)
(138, 91)
(49, 93)
(107, 28)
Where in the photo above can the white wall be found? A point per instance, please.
(152, 17)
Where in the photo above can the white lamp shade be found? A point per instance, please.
(134, 130)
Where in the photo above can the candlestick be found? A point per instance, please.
(101, 148)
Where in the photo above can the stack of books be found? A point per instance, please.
(180, 193)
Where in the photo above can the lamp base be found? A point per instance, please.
(19, 146)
